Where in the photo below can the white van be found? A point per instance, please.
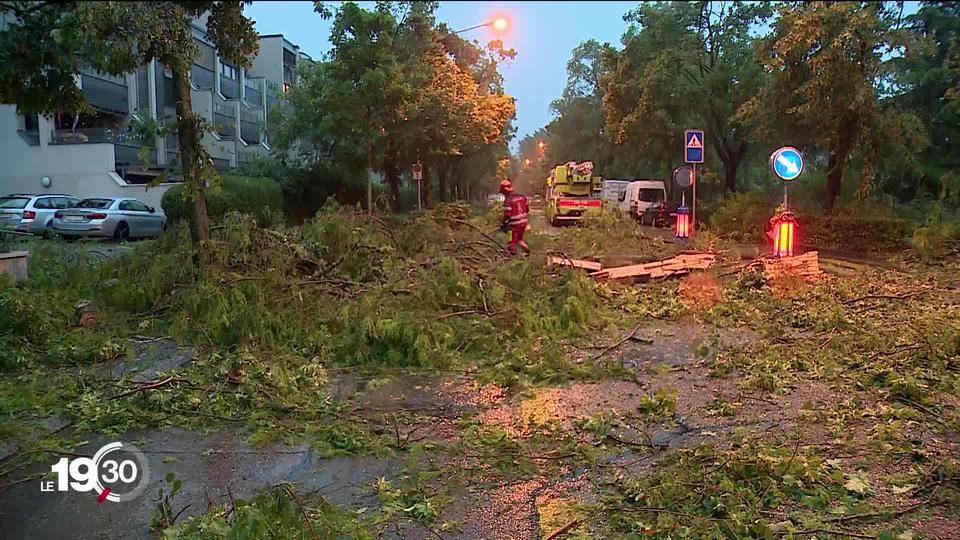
(613, 190)
(639, 195)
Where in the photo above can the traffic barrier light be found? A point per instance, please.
(683, 223)
(784, 235)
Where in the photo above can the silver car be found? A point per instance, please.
(118, 218)
(30, 213)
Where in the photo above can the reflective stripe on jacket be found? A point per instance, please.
(515, 209)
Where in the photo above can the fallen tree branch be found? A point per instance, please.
(829, 531)
(493, 240)
(142, 388)
(884, 514)
(617, 344)
(563, 530)
(880, 297)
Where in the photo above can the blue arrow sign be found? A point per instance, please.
(787, 163)
(693, 146)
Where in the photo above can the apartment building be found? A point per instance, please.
(103, 154)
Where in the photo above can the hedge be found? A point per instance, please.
(260, 197)
(855, 233)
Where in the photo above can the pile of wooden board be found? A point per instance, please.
(556, 260)
(674, 266)
(806, 265)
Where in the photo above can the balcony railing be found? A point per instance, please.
(247, 156)
(83, 136)
(229, 88)
(104, 94)
(201, 77)
(250, 132)
(272, 88)
(272, 102)
(129, 154)
(221, 164)
(253, 117)
(173, 142)
(31, 137)
(254, 97)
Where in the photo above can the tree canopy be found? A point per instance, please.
(397, 87)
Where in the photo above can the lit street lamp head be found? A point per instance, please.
(499, 24)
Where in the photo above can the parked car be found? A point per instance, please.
(30, 213)
(660, 214)
(118, 218)
(495, 198)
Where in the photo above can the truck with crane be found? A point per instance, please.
(571, 190)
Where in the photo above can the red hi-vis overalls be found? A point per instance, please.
(515, 214)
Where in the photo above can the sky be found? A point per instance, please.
(543, 34)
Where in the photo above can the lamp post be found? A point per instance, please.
(499, 24)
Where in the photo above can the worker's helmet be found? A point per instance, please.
(506, 187)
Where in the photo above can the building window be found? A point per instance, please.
(228, 71)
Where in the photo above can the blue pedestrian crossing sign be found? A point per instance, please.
(787, 163)
(693, 146)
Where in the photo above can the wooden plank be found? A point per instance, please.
(680, 264)
(554, 260)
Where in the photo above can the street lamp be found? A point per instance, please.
(526, 162)
(499, 24)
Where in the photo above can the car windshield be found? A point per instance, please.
(14, 202)
(95, 203)
(651, 195)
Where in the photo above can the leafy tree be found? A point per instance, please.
(725, 74)
(646, 97)
(403, 88)
(52, 41)
(577, 132)
(826, 61)
(921, 81)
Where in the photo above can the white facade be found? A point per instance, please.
(103, 161)
(81, 170)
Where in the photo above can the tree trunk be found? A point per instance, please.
(392, 175)
(834, 179)
(442, 171)
(191, 153)
(427, 183)
(369, 174)
(731, 161)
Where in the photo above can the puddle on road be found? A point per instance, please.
(213, 468)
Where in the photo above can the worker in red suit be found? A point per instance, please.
(515, 210)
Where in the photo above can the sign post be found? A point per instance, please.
(693, 154)
(787, 164)
(418, 176)
(683, 177)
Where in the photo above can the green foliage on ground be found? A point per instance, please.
(261, 197)
(742, 216)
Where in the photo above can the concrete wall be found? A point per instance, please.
(81, 170)
(269, 62)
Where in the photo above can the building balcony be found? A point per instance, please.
(84, 136)
(250, 132)
(225, 120)
(106, 95)
(31, 137)
(253, 97)
(229, 88)
(247, 156)
(202, 77)
(221, 164)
